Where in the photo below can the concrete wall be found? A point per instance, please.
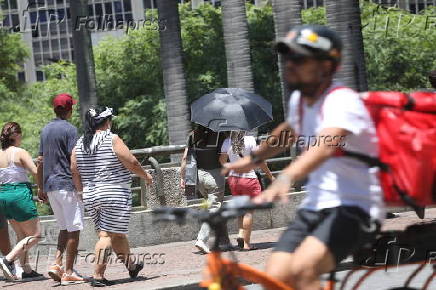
(143, 232)
(170, 195)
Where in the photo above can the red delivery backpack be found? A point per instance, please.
(406, 131)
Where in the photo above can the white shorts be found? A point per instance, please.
(67, 209)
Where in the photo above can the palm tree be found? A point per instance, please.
(344, 17)
(286, 14)
(237, 45)
(173, 72)
(84, 57)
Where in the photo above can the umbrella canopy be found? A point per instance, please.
(227, 109)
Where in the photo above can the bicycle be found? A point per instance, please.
(225, 274)
(221, 273)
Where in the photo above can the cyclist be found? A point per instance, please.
(344, 201)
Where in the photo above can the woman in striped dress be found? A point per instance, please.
(101, 165)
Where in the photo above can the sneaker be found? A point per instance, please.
(202, 247)
(138, 267)
(101, 282)
(55, 272)
(8, 269)
(31, 276)
(71, 279)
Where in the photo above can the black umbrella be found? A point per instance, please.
(229, 109)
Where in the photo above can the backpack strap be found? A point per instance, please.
(370, 161)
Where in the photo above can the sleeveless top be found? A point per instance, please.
(13, 173)
(101, 164)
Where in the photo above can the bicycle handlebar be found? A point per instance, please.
(232, 209)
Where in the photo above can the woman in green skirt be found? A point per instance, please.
(16, 202)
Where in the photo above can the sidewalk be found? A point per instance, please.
(174, 265)
(167, 265)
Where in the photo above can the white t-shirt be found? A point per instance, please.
(340, 180)
(250, 145)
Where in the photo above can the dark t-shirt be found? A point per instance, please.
(58, 139)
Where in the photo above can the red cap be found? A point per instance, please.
(64, 100)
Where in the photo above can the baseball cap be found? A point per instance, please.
(64, 100)
(311, 40)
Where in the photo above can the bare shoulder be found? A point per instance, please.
(22, 152)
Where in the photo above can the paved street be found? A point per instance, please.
(178, 264)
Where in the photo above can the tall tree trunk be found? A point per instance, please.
(344, 17)
(173, 72)
(83, 56)
(237, 45)
(286, 14)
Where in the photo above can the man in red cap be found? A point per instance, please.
(55, 184)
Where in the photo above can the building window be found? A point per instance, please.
(148, 4)
(90, 10)
(98, 9)
(127, 6)
(118, 8)
(39, 76)
(108, 8)
(6, 22)
(22, 76)
(33, 17)
(15, 20)
(42, 16)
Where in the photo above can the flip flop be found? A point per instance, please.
(250, 249)
(240, 242)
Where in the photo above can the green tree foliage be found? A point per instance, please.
(399, 46)
(12, 54)
(203, 46)
(32, 108)
(143, 121)
(129, 77)
(128, 67)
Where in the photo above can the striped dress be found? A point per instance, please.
(107, 196)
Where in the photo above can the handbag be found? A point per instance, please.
(258, 175)
(191, 170)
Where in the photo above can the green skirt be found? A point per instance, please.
(16, 202)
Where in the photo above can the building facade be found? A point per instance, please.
(46, 27)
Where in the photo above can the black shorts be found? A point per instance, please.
(342, 229)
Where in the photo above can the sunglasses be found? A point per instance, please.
(296, 58)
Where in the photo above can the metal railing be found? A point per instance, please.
(147, 157)
(147, 154)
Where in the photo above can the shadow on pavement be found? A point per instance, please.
(266, 245)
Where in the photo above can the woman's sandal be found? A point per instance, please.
(240, 242)
(101, 282)
(253, 248)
